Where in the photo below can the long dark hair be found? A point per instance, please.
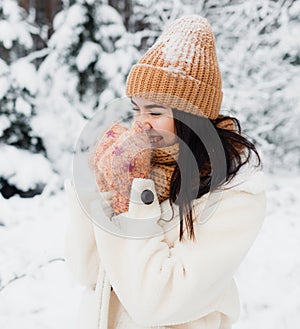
(236, 148)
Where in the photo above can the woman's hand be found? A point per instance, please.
(122, 156)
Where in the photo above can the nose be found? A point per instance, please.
(145, 121)
(147, 125)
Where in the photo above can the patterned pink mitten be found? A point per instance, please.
(119, 162)
(109, 137)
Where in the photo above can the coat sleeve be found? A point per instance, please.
(80, 250)
(158, 284)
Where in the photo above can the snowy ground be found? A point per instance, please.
(38, 292)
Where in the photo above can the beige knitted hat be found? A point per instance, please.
(181, 69)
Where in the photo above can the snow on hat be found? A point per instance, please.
(181, 69)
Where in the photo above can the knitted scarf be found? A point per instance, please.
(163, 163)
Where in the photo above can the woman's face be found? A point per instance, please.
(157, 120)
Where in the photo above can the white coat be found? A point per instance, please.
(159, 282)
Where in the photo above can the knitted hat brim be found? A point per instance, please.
(173, 90)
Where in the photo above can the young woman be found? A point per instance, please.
(202, 189)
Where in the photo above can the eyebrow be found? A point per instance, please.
(150, 106)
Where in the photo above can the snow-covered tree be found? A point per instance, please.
(148, 18)
(86, 34)
(18, 92)
(258, 47)
(90, 54)
(16, 31)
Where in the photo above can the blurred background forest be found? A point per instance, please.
(62, 61)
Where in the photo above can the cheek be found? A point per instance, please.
(166, 124)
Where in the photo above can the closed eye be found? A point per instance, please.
(135, 109)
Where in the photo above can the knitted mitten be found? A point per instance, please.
(109, 137)
(120, 158)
